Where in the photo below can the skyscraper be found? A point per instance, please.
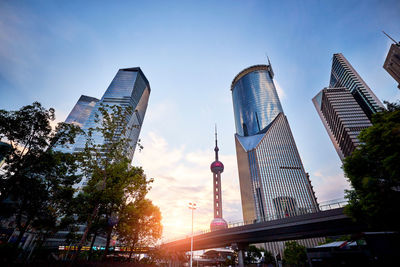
(342, 117)
(346, 107)
(344, 75)
(129, 88)
(392, 62)
(217, 168)
(81, 111)
(273, 183)
(79, 115)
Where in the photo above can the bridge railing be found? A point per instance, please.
(323, 206)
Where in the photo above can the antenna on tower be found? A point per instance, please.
(269, 66)
(216, 149)
(397, 43)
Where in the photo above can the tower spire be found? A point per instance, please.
(216, 149)
(397, 43)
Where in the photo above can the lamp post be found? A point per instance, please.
(192, 206)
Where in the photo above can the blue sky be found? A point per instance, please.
(54, 51)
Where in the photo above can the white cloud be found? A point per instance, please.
(181, 177)
(281, 93)
(329, 186)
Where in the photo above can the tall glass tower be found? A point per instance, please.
(129, 88)
(273, 183)
(78, 116)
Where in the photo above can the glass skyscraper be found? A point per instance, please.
(78, 116)
(81, 111)
(129, 88)
(346, 107)
(273, 182)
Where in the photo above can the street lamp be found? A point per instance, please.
(192, 206)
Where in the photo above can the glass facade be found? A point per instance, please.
(255, 100)
(129, 88)
(344, 75)
(273, 182)
(78, 116)
(81, 111)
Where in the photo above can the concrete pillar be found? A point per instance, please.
(241, 257)
(240, 248)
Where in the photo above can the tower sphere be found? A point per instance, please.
(218, 224)
(217, 166)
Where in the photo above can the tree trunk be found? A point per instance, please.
(22, 230)
(83, 239)
(107, 243)
(91, 245)
(130, 254)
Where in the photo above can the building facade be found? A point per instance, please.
(344, 75)
(273, 182)
(82, 110)
(342, 117)
(346, 107)
(130, 89)
(392, 62)
(78, 116)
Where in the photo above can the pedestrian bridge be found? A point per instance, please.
(328, 222)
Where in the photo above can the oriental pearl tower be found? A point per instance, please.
(217, 168)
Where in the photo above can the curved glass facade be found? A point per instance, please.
(273, 182)
(255, 100)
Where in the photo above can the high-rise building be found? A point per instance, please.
(273, 182)
(129, 88)
(344, 75)
(78, 116)
(346, 107)
(81, 111)
(342, 117)
(217, 167)
(392, 62)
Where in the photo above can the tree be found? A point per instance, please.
(36, 185)
(269, 258)
(373, 170)
(112, 181)
(294, 254)
(253, 254)
(139, 224)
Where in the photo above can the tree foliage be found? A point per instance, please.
(373, 170)
(139, 224)
(253, 254)
(36, 184)
(294, 254)
(269, 258)
(114, 187)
